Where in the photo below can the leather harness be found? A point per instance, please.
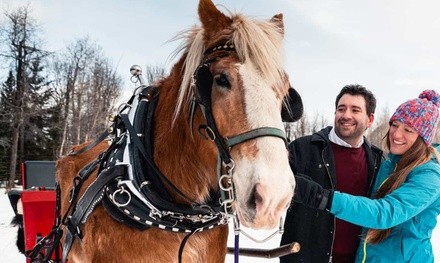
(129, 184)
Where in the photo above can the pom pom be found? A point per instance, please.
(432, 96)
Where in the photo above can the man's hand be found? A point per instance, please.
(311, 194)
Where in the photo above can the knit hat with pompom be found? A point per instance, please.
(421, 114)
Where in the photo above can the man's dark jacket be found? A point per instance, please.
(313, 156)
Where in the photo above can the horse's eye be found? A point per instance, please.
(222, 80)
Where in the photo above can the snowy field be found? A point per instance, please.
(10, 254)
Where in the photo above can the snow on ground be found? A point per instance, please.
(8, 234)
(10, 254)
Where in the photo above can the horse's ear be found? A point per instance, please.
(292, 109)
(212, 19)
(278, 21)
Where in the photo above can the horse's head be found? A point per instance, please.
(241, 81)
(241, 86)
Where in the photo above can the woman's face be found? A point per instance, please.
(402, 137)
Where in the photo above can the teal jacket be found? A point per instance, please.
(411, 210)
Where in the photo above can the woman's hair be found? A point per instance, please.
(418, 154)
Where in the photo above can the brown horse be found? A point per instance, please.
(228, 84)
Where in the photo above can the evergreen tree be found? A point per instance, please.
(20, 47)
(36, 137)
(7, 95)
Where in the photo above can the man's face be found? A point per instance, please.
(351, 119)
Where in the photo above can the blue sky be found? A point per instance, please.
(391, 47)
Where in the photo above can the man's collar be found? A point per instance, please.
(334, 138)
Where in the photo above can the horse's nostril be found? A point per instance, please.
(258, 197)
(255, 199)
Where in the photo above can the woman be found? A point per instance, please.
(399, 220)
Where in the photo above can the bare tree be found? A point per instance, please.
(104, 87)
(305, 126)
(380, 127)
(69, 68)
(437, 136)
(153, 73)
(20, 49)
(87, 87)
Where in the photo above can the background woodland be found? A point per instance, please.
(51, 100)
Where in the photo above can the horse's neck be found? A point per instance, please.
(188, 161)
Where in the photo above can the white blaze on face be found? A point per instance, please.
(263, 180)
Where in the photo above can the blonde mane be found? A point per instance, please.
(256, 42)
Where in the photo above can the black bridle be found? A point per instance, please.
(202, 85)
(202, 88)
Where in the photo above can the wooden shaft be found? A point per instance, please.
(293, 247)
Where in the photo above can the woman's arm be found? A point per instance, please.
(420, 190)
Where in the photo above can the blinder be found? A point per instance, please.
(292, 109)
(203, 86)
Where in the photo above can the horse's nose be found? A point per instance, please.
(268, 207)
(262, 197)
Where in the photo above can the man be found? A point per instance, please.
(338, 158)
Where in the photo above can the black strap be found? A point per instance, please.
(55, 246)
(139, 145)
(77, 183)
(68, 241)
(145, 116)
(99, 139)
(143, 123)
(182, 245)
(91, 197)
(49, 242)
(120, 216)
(173, 217)
(217, 138)
(93, 192)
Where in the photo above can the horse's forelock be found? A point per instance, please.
(256, 41)
(260, 43)
(194, 48)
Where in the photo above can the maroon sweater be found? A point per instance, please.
(351, 177)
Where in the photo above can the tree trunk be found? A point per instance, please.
(14, 152)
(66, 121)
(18, 114)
